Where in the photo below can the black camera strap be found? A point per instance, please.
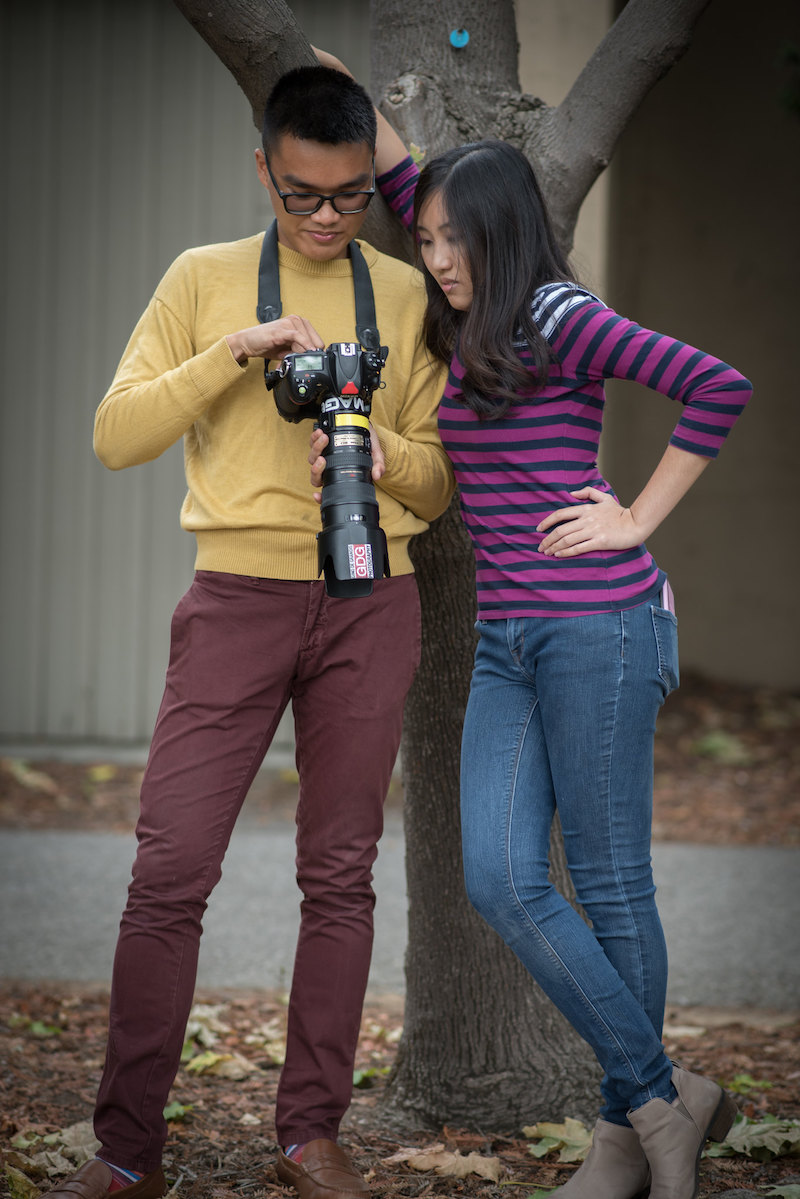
(269, 306)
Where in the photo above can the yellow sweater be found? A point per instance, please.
(250, 502)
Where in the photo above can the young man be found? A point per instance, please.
(257, 630)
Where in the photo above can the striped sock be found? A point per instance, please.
(120, 1178)
(295, 1152)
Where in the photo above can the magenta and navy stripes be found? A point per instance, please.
(513, 471)
(397, 187)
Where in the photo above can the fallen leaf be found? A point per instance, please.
(223, 1065)
(34, 780)
(402, 1155)
(24, 1163)
(722, 747)
(448, 1164)
(55, 1164)
(761, 1139)
(684, 1030)
(38, 1028)
(24, 1140)
(362, 1079)
(271, 1038)
(572, 1139)
(204, 1062)
(103, 772)
(78, 1141)
(204, 1025)
(743, 1084)
(177, 1111)
(19, 1186)
(59, 1152)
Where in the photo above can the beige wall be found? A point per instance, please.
(125, 140)
(556, 38)
(704, 244)
(693, 230)
(128, 141)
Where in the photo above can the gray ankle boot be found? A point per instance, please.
(615, 1167)
(673, 1134)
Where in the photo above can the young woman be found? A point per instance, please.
(578, 635)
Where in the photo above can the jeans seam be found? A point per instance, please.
(616, 1042)
(526, 918)
(577, 988)
(516, 656)
(622, 890)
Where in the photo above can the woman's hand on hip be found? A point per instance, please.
(599, 524)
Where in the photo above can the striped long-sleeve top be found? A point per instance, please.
(513, 471)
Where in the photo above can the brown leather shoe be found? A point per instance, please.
(94, 1178)
(325, 1172)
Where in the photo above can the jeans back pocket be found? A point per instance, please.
(665, 628)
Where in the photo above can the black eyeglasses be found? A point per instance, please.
(306, 203)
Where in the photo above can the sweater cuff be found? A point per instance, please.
(213, 371)
(388, 443)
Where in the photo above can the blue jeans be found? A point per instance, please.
(561, 715)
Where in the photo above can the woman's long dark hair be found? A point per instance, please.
(497, 212)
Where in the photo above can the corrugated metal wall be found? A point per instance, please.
(124, 141)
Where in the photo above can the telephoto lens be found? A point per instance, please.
(334, 387)
(352, 548)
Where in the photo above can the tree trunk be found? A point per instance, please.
(482, 1046)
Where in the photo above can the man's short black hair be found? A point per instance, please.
(319, 104)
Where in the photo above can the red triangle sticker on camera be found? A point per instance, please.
(350, 389)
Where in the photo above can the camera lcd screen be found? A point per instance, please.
(309, 362)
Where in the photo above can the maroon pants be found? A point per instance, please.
(241, 649)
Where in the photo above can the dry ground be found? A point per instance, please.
(727, 772)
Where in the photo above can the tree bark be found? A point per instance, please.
(572, 144)
(457, 91)
(257, 42)
(482, 1046)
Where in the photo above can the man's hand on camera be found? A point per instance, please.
(317, 463)
(315, 460)
(275, 339)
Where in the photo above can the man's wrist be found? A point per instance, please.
(237, 349)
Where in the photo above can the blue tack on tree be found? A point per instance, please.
(459, 38)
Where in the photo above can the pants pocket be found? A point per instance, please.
(665, 628)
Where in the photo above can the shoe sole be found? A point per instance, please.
(717, 1130)
(722, 1119)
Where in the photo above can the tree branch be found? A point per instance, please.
(573, 143)
(645, 41)
(257, 42)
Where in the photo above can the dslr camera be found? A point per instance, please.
(334, 387)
